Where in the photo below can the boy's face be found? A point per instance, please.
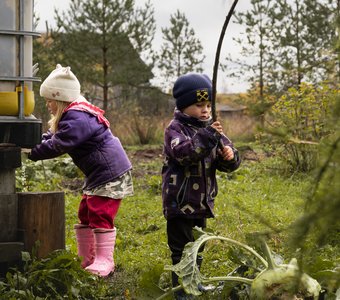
(199, 110)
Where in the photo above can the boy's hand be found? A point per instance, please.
(227, 153)
(217, 126)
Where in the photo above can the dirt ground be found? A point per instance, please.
(146, 161)
(145, 155)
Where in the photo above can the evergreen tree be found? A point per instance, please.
(336, 22)
(304, 34)
(143, 33)
(93, 37)
(255, 43)
(286, 42)
(181, 51)
(257, 63)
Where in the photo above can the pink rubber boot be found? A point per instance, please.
(103, 263)
(85, 244)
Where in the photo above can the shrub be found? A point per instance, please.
(297, 124)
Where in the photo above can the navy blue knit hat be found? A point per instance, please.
(192, 88)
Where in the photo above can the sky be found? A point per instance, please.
(206, 17)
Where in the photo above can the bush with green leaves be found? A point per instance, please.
(58, 276)
(298, 122)
(47, 175)
(320, 223)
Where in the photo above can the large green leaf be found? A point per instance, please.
(188, 271)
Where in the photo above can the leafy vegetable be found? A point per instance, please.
(275, 281)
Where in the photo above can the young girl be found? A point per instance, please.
(192, 155)
(80, 129)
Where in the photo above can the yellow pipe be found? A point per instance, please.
(9, 102)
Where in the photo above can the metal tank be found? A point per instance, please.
(17, 124)
(18, 127)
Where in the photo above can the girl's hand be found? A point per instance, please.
(227, 153)
(217, 126)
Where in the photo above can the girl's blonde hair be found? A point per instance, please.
(54, 121)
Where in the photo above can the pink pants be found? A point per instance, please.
(98, 211)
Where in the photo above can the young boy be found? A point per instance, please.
(194, 148)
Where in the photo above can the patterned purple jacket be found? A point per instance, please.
(91, 145)
(189, 172)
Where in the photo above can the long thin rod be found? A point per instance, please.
(217, 59)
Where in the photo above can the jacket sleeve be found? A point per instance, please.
(46, 136)
(186, 150)
(73, 129)
(228, 165)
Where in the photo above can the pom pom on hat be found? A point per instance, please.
(61, 85)
(192, 88)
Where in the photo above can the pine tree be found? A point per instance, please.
(143, 33)
(256, 46)
(93, 37)
(181, 51)
(304, 34)
(286, 42)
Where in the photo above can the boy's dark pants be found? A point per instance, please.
(179, 231)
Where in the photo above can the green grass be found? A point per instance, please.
(255, 198)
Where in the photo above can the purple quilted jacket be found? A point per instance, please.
(91, 145)
(189, 172)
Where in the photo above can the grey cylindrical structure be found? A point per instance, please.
(17, 124)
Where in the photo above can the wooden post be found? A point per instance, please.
(8, 219)
(41, 217)
(8, 198)
(10, 245)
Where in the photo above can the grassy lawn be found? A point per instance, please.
(257, 198)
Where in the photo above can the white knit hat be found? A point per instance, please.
(61, 85)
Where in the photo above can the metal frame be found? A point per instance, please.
(21, 33)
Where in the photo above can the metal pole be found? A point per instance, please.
(21, 60)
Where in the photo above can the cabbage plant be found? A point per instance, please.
(274, 281)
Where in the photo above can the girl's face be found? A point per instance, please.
(51, 106)
(199, 110)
